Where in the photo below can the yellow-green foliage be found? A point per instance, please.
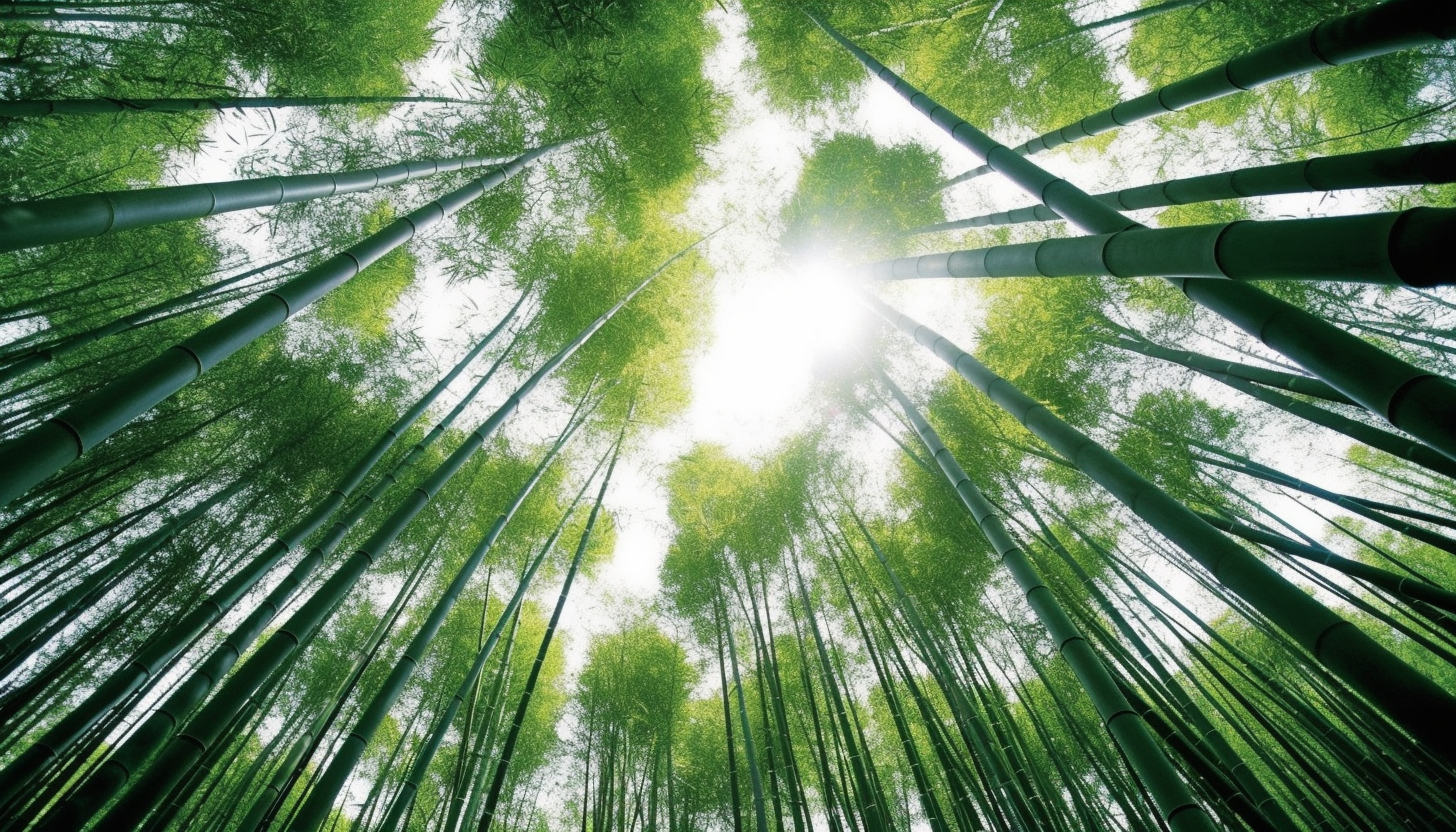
(363, 304)
(648, 343)
(1043, 334)
(854, 198)
(332, 47)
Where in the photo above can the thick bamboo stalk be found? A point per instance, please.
(1390, 27)
(1417, 164)
(1414, 400)
(1414, 702)
(1171, 796)
(33, 356)
(1396, 249)
(103, 106)
(145, 667)
(45, 449)
(44, 221)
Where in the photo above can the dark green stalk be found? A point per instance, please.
(320, 800)
(508, 749)
(1414, 400)
(46, 221)
(1417, 164)
(1169, 793)
(426, 753)
(1397, 249)
(1304, 385)
(1389, 581)
(37, 454)
(1389, 27)
(1410, 699)
(146, 666)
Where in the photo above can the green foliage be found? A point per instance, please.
(645, 347)
(1045, 336)
(854, 198)
(362, 305)
(1154, 446)
(331, 47)
(631, 69)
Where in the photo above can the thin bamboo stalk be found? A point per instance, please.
(42, 451)
(1407, 697)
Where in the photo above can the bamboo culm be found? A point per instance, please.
(45, 221)
(1410, 699)
(42, 451)
(1389, 27)
(498, 780)
(426, 753)
(1419, 402)
(1170, 794)
(1417, 164)
(145, 667)
(178, 757)
(320, 800)
(1403, 248)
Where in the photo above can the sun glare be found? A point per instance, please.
(770, 331)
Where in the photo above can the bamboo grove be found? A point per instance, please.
(1128, 504)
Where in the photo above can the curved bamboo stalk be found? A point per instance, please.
(1417, 164)
(1416, 401)
(42, 451)
(1410, 699)
(1390, 27)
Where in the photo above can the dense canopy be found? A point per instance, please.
(751, 415)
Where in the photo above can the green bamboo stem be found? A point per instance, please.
(45, 221)
(426, 753)
(1408, 698)
(1243, 465)
(35, 356)
(1394, 249)
(42, 451)
(1171, 796)
(1303, 385)
(105, 106)
(145, 667)
(508, 748)
(1389, 27)
(1414, 400)
(1417, 164)
(320, 799)
(201, 732)
(1398, 446)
